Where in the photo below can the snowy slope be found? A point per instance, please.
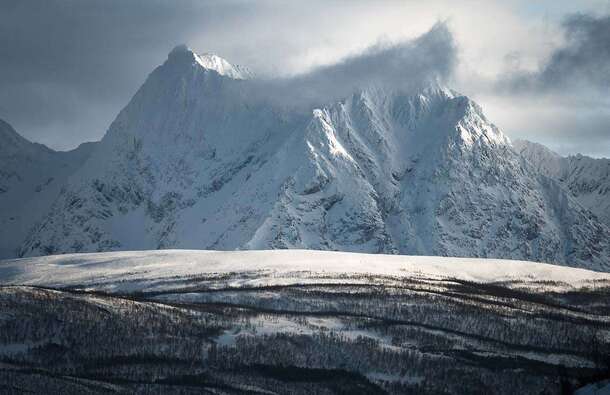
(179, 151)
(146, 271)
(201, 158)
(31, 176)
(587, 179)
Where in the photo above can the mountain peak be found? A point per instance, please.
(179, 50)
(209, 61)
(181, 53)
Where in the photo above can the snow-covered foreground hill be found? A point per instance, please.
(299, 322)
(151, 271)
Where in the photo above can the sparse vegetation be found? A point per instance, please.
(407, 336)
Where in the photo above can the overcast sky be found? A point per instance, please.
(540, 70)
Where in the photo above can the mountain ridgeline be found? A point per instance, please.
(31, 177)
(201, 158)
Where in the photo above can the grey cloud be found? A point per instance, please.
(564, 103)
(586, 57)
(582, 63)
(407, 66)
(567, 130)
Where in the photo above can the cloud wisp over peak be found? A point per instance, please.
(407, 65)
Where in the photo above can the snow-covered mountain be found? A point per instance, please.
(31, 176)
(203, 157)
(587, 179)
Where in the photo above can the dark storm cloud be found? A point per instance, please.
(67, 67)
(582, 63)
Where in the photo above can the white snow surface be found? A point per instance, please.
(214, 62)
(136, 271)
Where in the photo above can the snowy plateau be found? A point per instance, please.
(232, 234)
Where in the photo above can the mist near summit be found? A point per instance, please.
(407, 66)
